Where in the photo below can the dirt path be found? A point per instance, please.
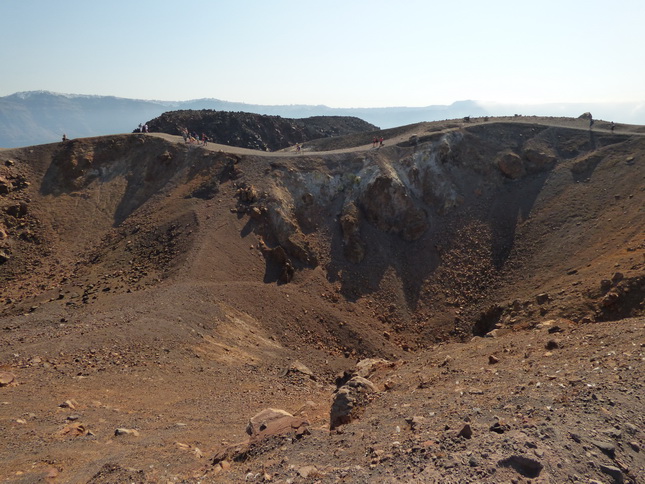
(420, 129)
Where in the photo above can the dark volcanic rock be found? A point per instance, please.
(353, 245)
(256, 131)
(350, 400)
(390, 207)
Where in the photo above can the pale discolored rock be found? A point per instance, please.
(261, 420)
(6, 378)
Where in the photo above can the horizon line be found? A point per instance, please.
(475, 101)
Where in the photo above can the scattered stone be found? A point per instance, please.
(614, 472)
(191, 448)
(298, 367)
(247, 194)
(610, 299)
(466, 432)
(123, 431)
(492, 360)
(635, 446)
(499, 427)
(307, 406)
(631, 428)
(542, 298)
(617, 277)
(52, 473)
(69, 404)
(308, 471)
(414, 422)
(614, 433)
(75, 429)
(552, 344)
(5, 186)
(19, 210)
(6, 378)
(525, 466)
(607, 447)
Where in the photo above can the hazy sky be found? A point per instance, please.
(341, 53)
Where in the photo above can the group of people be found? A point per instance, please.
(377, 142)
(193, 138)
(143, 128)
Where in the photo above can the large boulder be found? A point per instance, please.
(268, 423)
(350, 400)
(5, 186)
(538, 160)
(388, 205)
(511, 165)
(370, 367)
(273, 421)
(353, 246)
(261, 421)
(18, 210)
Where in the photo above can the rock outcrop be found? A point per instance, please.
(353, 245)
(388, 205)
(255, 131)
(350, 400)
(511, 165)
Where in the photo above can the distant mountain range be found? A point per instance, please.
(37, 117)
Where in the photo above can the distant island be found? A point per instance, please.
(38, 117)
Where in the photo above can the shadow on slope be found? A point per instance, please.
(132, 168)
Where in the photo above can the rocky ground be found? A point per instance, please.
(463, 304)
(256, 131)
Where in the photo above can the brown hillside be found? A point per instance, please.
(256, 131)
(498, 269)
